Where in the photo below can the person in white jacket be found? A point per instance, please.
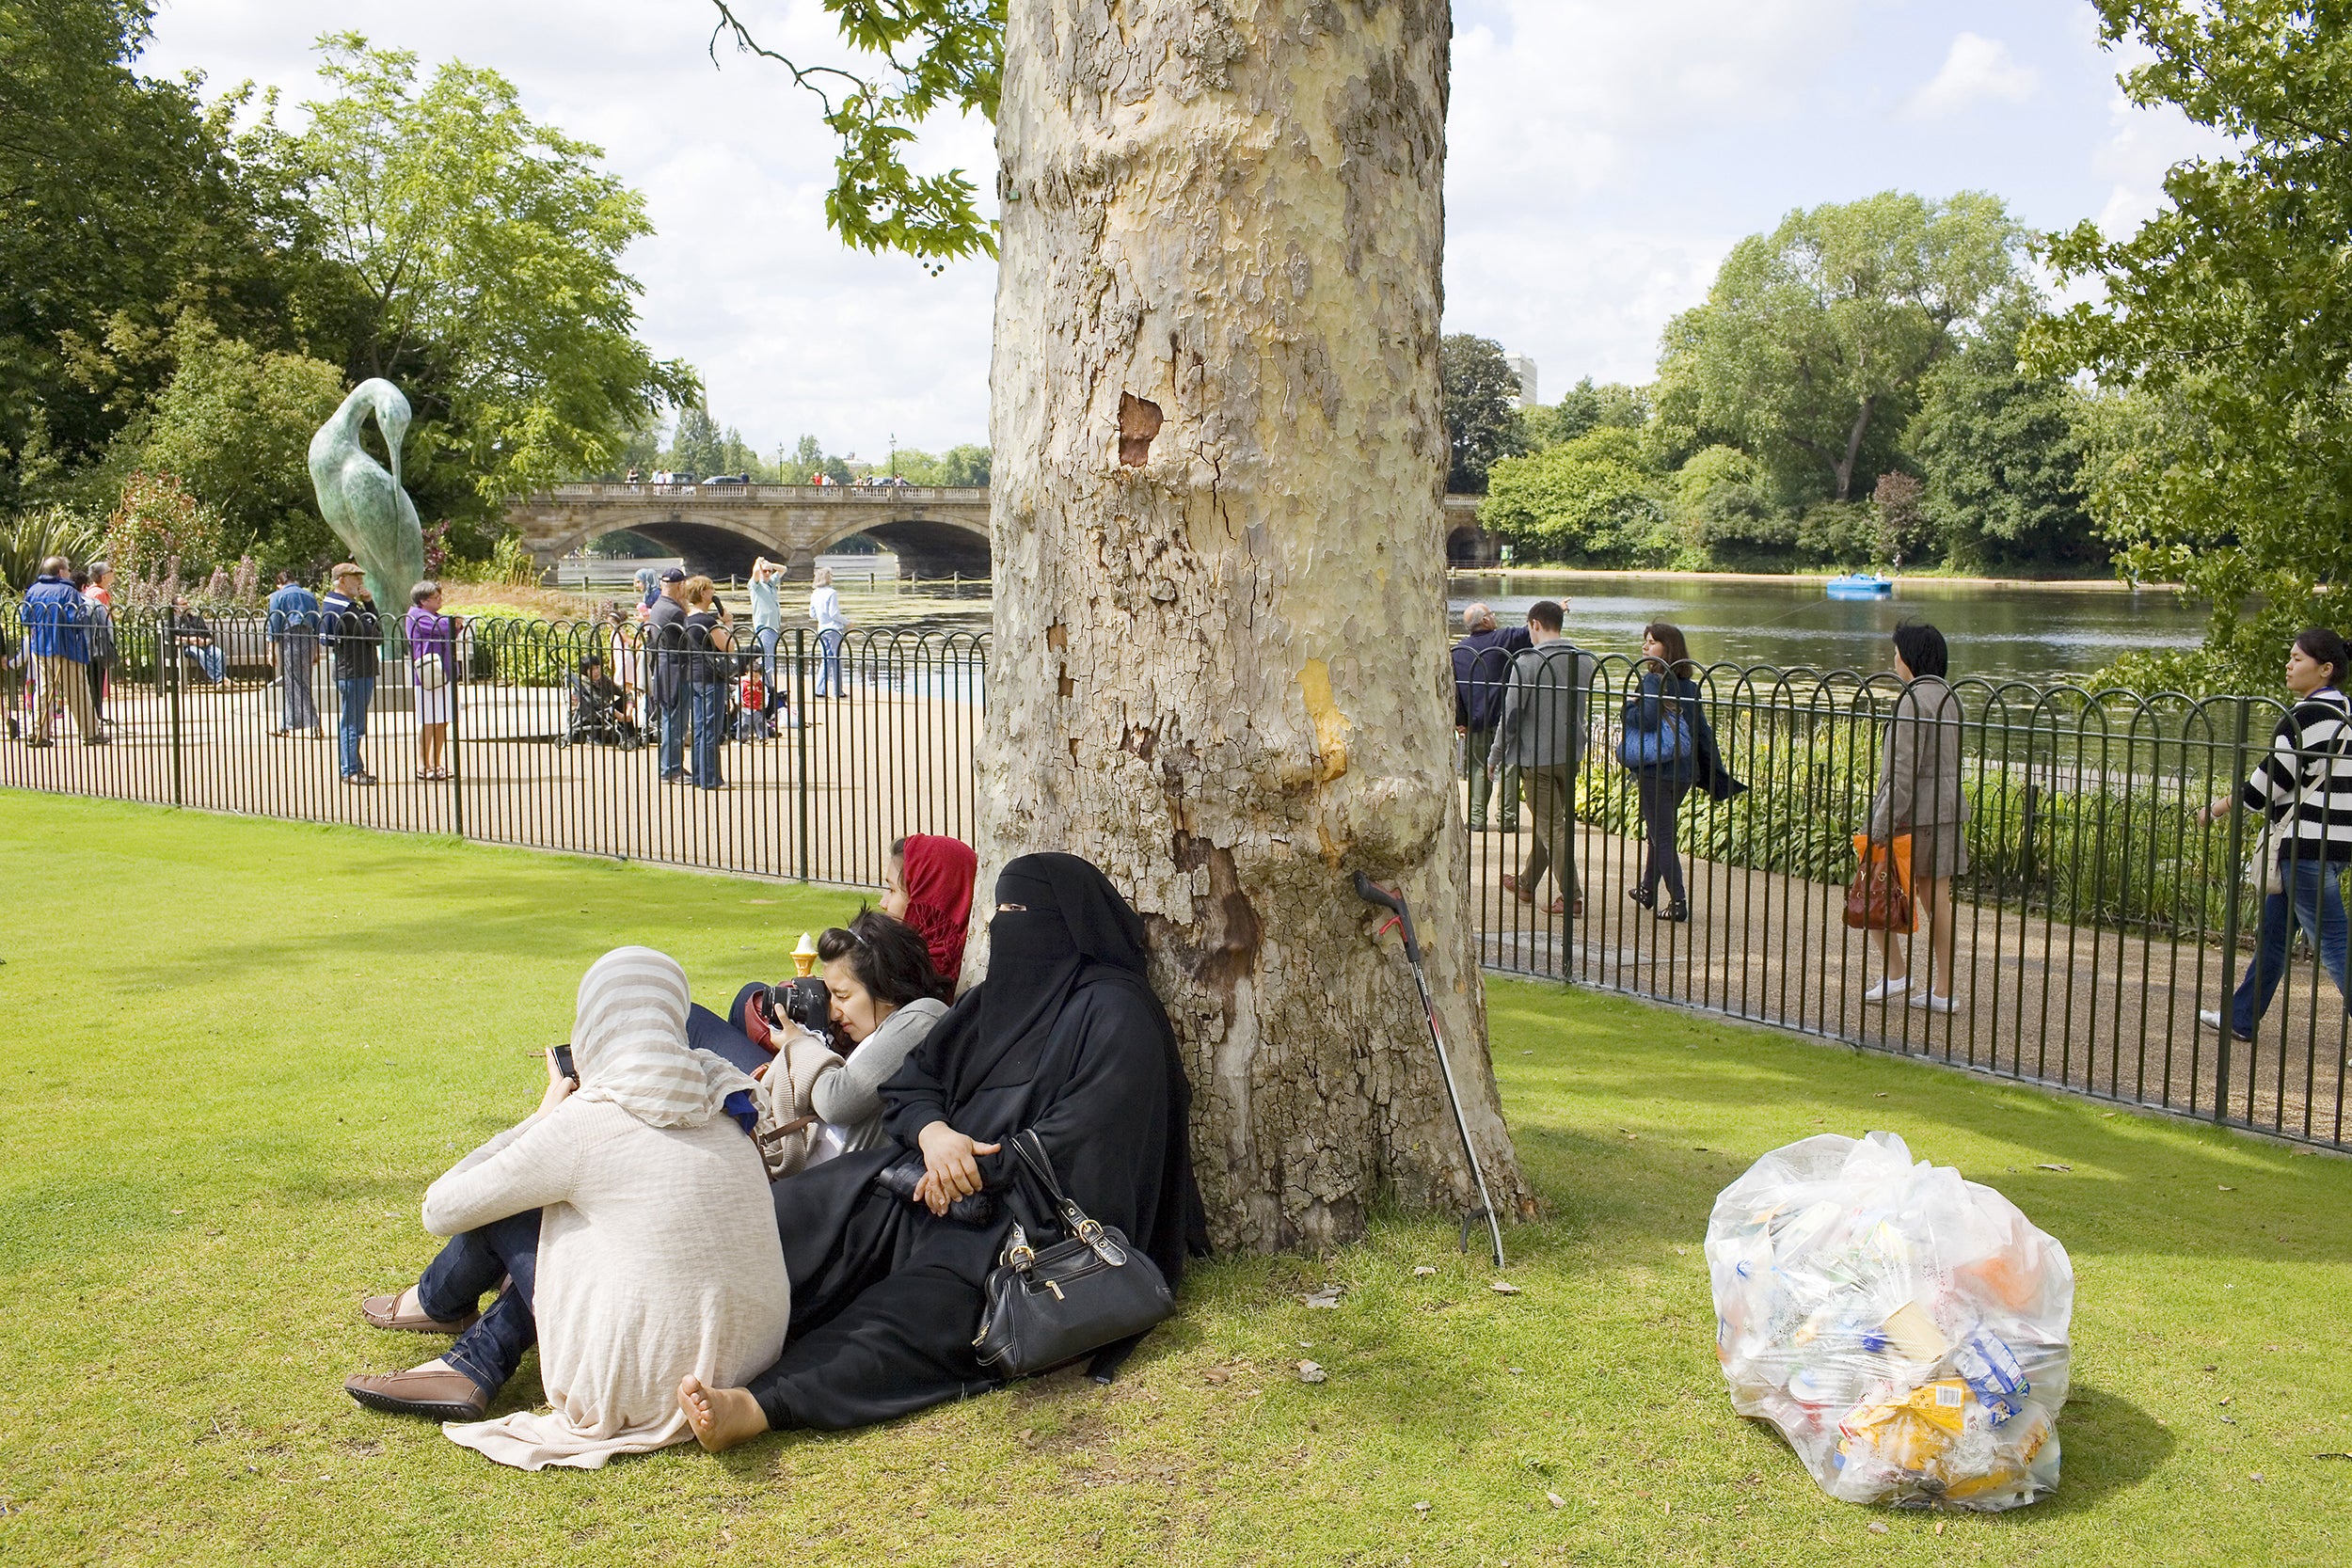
(657, 1255)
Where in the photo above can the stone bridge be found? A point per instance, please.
(720, 529)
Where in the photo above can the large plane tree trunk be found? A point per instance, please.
(1221, 662)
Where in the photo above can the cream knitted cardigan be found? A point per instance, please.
(657, 1256)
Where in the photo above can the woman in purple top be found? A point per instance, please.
(433, 669)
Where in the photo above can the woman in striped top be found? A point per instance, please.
(2303, 789)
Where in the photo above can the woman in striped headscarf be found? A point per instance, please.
(632, 1213)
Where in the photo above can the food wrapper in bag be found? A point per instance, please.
(1905, 1330)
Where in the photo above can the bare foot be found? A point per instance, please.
(722, 1417)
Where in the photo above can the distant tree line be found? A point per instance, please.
(187, 301)
(1881, 378)
(697, 446)
(1849, 395)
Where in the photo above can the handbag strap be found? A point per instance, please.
(1031, 1149)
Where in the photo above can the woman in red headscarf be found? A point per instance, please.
(928, 885)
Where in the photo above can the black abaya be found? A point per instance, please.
(886, 1297)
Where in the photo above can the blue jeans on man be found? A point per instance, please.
(351, 727)
(710, 712)
(2313, 899)
(674, 719)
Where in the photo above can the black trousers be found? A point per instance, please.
(1662, 816)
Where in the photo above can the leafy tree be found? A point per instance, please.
(2227, 320)
(1481, 399)
(160, 532)
(1586, 501)
(1587, 406)
(697, 448)
(487, 249)
(1811, 349)
(1722, 511)
(2001, 459)
(1901, 528)
(127, 202)
(963, 465)
(939, 56)
(233, 425)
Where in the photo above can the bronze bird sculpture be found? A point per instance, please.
(363, 501)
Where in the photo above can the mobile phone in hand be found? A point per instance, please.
(564, 1064)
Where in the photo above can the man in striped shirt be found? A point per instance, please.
(2303, 789)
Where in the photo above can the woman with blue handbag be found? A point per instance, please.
(1668, 747)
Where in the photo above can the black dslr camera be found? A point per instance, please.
(803, 1002)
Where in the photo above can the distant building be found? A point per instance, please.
(1524, 367)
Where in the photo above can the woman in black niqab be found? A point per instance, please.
(1065, 1038)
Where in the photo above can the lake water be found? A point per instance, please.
(1998, 631)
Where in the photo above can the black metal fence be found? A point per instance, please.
(2094, 919)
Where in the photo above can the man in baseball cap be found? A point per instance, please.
(354, 634)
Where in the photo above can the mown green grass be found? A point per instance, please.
(236, 1051)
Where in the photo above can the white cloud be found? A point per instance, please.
(1603, 157)
(790, 331)
(1976, 71)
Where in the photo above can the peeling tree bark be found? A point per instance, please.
(1221, 653)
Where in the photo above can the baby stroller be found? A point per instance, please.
(600, 714)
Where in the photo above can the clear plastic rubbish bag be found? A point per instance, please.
(1905, 1330)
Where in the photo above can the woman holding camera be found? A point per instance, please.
(884, 998)
(1063, 1039)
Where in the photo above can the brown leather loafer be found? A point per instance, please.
(441, 1396)
(384, 1312)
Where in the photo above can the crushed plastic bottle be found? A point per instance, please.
(1904, 1329)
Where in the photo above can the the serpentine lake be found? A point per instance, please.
(2025, 631)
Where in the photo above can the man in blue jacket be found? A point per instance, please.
(55, 622)
(1482, 668)
(294, 636)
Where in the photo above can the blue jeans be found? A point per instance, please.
(297, 652)
(2313, 900)
(767, 636)
(357, 693)
(710, 711)
(209, 659)
(451, 1286)
(673, 714)
(491, 1351)
(829, 681)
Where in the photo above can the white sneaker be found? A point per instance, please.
(2213, 1020)
(1932, 1003)
(1887, 991)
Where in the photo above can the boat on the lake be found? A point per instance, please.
(1861, 585)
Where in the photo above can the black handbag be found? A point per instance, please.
(1089, 1290)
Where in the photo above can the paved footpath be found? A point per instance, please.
(2108, 1012)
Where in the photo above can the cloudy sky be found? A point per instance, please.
(1603, 156)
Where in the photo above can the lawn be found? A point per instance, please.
(237, 1053)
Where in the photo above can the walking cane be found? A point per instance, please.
(1402, 918)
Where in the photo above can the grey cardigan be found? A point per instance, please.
(1919, 778)
(849, 1095)
(1543, 707)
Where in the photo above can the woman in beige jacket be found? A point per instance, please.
(658, 1255)
(1919, 793)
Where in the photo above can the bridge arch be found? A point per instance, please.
(926, 546)
(721, 529)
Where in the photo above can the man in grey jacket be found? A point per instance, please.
(1541, 732)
